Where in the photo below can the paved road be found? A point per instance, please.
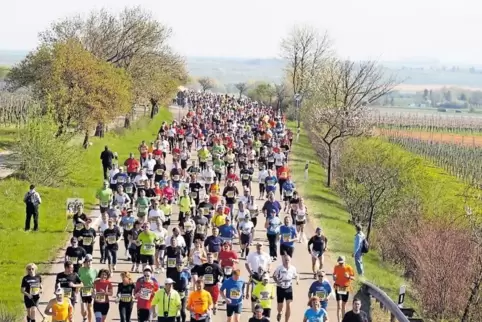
(301, 259)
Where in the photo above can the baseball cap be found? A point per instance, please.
(147, 268)
(59, 291)
(341, 259)
(88, 258)
(169, 281)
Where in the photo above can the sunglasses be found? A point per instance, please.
(30, 269)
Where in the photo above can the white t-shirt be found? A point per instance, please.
(149, 166)
(278, 159)
(165, 145)
(112, 173)
(262, 175)
(285, 276)
(208, 176)
(180, 241)
(140, 178)
(246, 227)
(161, 234)
(152, 217)
(189, 225)
(255, 261)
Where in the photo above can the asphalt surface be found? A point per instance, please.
(301, 259)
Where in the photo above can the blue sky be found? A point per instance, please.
(370, 29)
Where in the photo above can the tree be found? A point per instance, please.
(337, 108)
(281, 91)
(132, 40)
(242, 88)
(80, 90)
(206, 83)
(305, 50)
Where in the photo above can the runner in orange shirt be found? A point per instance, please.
(199, 302)
(343, 274)
(283, 173)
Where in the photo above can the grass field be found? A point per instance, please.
(17, 248)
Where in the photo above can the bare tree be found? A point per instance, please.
(242, 88)
(281, 91)
(206, 83)
(337, 106)
(305, 50)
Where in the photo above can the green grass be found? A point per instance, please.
(329, 210)
(8, 137)
(4, 70)
(18, 248)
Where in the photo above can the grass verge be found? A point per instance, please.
(329, 210)
(17, 248)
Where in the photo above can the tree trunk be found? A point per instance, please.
(60, 130)
(370, 223)
(153, 108)
(85, 144)
(328, 167)
(127, 121)
(472, 297)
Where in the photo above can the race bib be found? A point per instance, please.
(321, 295)
(230, 194)
(67, 291)
(228, 270)
(270, 182)
(159, 172)
(176, 177)
(100, 298)
(264, 295)
(209, 279)
(253, 212)
(285, 283)
(145, 294)
(188, 226)
(288, 193)
(235, 294)
(79, 226)
(286, 237)
(341, 290)
(129, 226)
(86, 291)
(126, 298)
(111, 240)
(171, 262)
(104, 204)
(35, 289)
(204, 211)
(142, 208)
(87, 241)
(193, 194)
(129, 189)
(300, 217)
(148, 247)
(245, 176)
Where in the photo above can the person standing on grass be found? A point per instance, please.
(107, 158)
(32, 201)
(356, 314)
(358, 249)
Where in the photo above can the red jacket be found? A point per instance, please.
(145, 292)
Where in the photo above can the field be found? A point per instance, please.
(18, 247)
(433, 136)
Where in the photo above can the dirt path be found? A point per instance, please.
(467, 140)
(302, 260)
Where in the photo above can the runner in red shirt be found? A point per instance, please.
(132, 165)
(103, 289)
(146, 287)
(228, 259)
(232, 176)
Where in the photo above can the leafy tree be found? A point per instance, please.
(242, 88)
(206, 83)
(80, 89)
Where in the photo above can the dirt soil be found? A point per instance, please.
(468, 140)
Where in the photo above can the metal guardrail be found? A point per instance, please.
(385, 300)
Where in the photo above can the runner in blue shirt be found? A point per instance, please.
(227, 232)
(232, 291)
(288, 238)
(272, 226)
(270, 182)
(270, 205)
(315, 313)
(321, 289)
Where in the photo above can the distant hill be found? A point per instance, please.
(416, 72)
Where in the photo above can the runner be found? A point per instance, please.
(258, 315)
(232, 291)
(197, 257)
(125, 297)
(60, 308)
(103, 290)
(301, 213)
(228, 259)
(212, 275)
(246, 228)
(200, 303)
(319, 243)
(343, 274)
(283, 277)
(75, 254)
(321, 288)
(69, 282)
(133, 248)
(213, 243)
(146, 287)
(227, 232)
(315, 312)
(87, 276)
(272, 225)
(112, 236)
(263, 294)
(161, 237)
(288, 236)
(31, 287)
(146, 240)
(182, 280)
(168, 302)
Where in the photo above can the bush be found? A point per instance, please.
(8, 314)
(46, 158)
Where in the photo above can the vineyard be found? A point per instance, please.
(15, 109)
(428, 122)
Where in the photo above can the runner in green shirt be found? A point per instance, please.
(147, 241)
(105, 196)
(142, 204)
(87, 275)
(263, 293)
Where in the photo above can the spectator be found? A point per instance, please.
(107, 158)
(356, 314)
(357, 252)
(32, 201)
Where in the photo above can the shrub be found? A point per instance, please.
(46, 158)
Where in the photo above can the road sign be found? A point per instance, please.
(72, 206)
(401, 296)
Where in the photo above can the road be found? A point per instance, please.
(301, 259)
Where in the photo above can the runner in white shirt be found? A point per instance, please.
(279, 158)
(283, 277)
(208, 176)
(112, 173)
(155, 213)
(141, 179)
(176, 234)
(148, 166)
(258, 260)
(246, 229)
(161, 234)
(262, 175)
(104, 224)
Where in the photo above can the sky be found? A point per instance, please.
(388, 30)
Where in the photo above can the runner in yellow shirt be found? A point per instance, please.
(263, 293)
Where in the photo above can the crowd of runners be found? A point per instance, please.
(192, 221)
